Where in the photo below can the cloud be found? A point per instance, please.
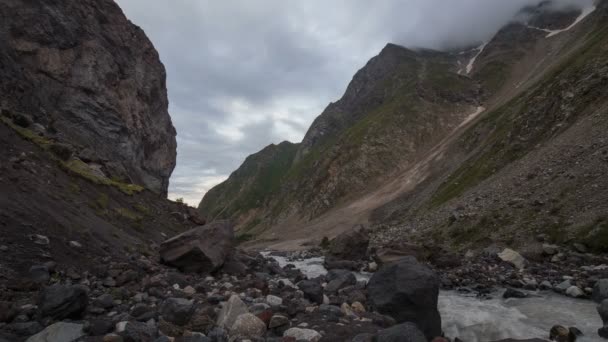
(243, 74)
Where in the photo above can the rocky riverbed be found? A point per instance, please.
(213, 292)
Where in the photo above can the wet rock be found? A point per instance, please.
(177, 310)
(407, 291)
(332, 263)
(406, 332)
(559, 333)
(59, 332)
(201, 249)
(350, 245)
(600, 290)
(512, 257)
(248, 326)
(574, 291)
(511, 293)
(231, 309)
(301, 334)
(563, 286)
(63, 301)
(602, 309)
(313, 291)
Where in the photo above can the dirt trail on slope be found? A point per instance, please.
(294, 235)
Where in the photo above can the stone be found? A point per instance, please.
(549, 249)
(365, 337)
(75, 244)
(350, 245)
(559, 333)
(579, 247)
(406, 332)
(347, 310)
(574, 291)
(177, 310)
(100, 326)
(63, 301)
(39, 274)
(301, 334)
(372, 266)
(189, 290)
(600, 290)
(407, 291)
(512, 257)
(112, 338)
(59, 332)
(563, 286)
(339, 279)
(133, 331)
(358, 307)
(313, 291)
(40, 239)
(512, 293)
(274, 300)
(104, 301)
(248, 325)
(231, 309)
(278, 321)
(201, 249)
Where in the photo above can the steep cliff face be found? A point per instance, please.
(92, 79)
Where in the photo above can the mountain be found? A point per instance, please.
(88, 75)
(420, 134)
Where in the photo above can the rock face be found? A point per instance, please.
(407, 291)
(93, 79)
(201, 249)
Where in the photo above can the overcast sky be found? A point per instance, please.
(244, 74)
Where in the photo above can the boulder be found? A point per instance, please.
(602, 309)
(63, 301)
(133, 331)
(177, 310)
(278, 321)
(339, 279)
(332, 263)
(406, 332)
(301, 334)
(407, 291)
(312, 290)
(574, 291)
(231, 309)
(512, 257)
(512, 293)
(600, 290)
(59, 332)
(350, 245)
(248, 326)
(549, 249)
(201, 249)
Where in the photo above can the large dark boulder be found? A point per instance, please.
(339, 279)
(313, 291)
(406, 332)
(407, 291)
(63, 301)
(350, 245)
(201, 249)
(177, 310)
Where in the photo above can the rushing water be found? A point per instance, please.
(476, 320)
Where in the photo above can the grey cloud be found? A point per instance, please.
(243, 74)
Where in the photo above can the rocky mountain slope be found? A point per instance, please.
(450, 144)
(90, 77)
